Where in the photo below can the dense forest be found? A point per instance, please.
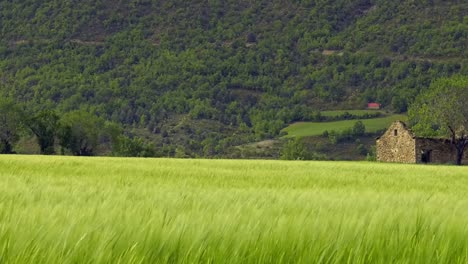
(199, 77)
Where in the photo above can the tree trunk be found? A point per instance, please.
(459, 158)
(460, 146)
(7, 148)
(85, 152)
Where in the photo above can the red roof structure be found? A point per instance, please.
(373, 106)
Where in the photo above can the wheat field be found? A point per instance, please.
(125, 210)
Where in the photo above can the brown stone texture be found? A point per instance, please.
(399, 144)
(435, 151)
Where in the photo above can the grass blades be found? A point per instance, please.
(302, 129)
(126, 210)
(335, 113)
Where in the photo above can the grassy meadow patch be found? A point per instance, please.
(302, 129)
(127, 210)
(333, 113)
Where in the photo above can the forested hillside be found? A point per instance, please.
(198, 77)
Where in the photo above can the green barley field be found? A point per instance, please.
(126, 210)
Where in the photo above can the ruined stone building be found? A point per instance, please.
(399, 144)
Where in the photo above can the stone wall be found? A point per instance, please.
(397, 144)
(440, 151)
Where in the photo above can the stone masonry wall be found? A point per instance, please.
(397, 144)
(441, 151)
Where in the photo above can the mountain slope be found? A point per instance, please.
(245, 66)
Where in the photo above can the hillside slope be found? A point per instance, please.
(231, 71)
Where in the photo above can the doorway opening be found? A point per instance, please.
(426, 156)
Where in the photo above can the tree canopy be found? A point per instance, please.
(11, 123)
(233, 67)
(45, 127)
(80, 132)
(442, 110)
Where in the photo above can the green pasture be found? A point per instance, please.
(333, 113)
(127, 210)
(302, 129)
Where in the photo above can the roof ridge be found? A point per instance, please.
(405, 126)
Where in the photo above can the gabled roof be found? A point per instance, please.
(403, 124)
(404, 127)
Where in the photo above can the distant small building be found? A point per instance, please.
(375, 106)
(399, 144)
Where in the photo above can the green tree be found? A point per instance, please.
(399, 104)
(359, 129)
(372, 154)
(132, 147)
(80, 132)
(45, 126)
(294, 150)
(443, 111)
(11, 123)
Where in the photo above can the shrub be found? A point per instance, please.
(359, 129)
(361, 149)
(294, 150)
(132, 147)
(371, 155)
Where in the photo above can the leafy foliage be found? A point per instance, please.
(248, 66)
(80, 132)
(294, 149)
(359, 129)
(45, 126)
(132, 147)
(443, 111)
(11, 123)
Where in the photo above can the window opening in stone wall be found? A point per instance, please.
(395, 132)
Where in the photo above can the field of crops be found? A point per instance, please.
(115, 210)
(302, 129)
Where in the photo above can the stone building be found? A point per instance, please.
(399, 144)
